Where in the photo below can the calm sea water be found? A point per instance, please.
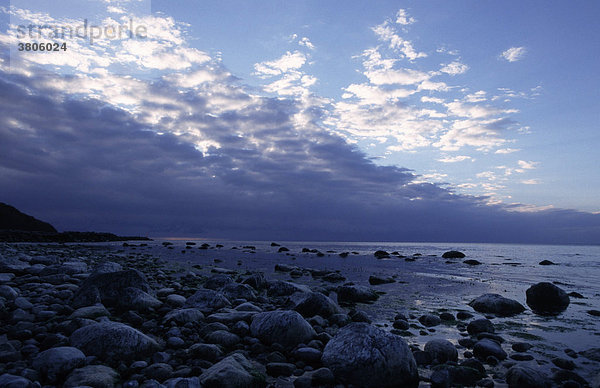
(430, 284)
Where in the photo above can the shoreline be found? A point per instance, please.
(184, 277)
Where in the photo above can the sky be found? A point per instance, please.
(309, 120)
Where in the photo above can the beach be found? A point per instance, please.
(192, 313)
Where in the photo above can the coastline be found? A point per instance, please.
(424, 293)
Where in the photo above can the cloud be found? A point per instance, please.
(531, 182)
(403, 18)
(527, 165)
(306, 43)
(514, 54)
(192, 151)
(506, 150)
(454, 159)
(454, 68)
(386, 33)
(288, 61)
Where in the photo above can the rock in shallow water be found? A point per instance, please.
(496, 304)
(486, 347)
(453, 255)
(367, 356)
(441, 350)
(310, 304)
(547, 299)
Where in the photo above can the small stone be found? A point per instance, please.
(563, 363)
(487, 347)
(158, 371)
(430, 320)
(480, 326)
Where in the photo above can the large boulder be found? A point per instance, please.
(281, 288)
(238, 291)
(207, 300)
(441, 350)
(310, 304)
(110, 289)
(183, 316)
(55, 363)
(520, 376)
(12, 381)
(496, 304)
(366, 356)
(92, 376)
(487, 347)
(453, 255)
(287, 328)
(234, 371)
(111, 340)
(356, 294)
(547, 299)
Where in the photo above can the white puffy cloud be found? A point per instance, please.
(527, 165)
(454, 68)
(306, 43)
(403, 18)
(531, 182)
(506, 150)
(288, 61)
(513, 54)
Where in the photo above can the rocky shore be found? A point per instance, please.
(85, 315)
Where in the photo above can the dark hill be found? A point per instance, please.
(13, 219)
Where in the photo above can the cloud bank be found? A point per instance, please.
(192, 151)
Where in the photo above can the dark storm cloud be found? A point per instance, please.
(84, 164)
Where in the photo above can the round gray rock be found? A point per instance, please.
(55, 363)
(287, 328)
(366, 356)
(92, 376)
(524, 377)
(486, 347)
(441, 350)
(109, 340)
(496, 304)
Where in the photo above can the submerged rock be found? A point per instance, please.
(547, 299)
(487, 347)
(496, 304)
(376, 280)
(366, 356)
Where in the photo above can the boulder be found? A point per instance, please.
(441, 350)
(356, 294)
(238, 291)
(487, 347)
(287, 328)
(183, 316)
(55, 363)
(234, 371)
(310, 304)
(281, 288)
(547, 299)
(111, 340)
(217, 281)
(136, 299)
(183, 382)
(520, 376)
(107, 267)
(207, 300)
(480, 326)
(453, 255)
(496, 304)
(11, 381)
(92, 376)
(90, 312)
(110, 289)
(430, 320)
(366, 356)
